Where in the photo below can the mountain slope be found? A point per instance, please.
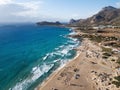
(108, 15)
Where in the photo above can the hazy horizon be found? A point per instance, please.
(13, 11)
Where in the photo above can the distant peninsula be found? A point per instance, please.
(57, 23)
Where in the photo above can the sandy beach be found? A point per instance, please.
(88, 71)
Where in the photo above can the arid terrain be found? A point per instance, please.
(96, 67)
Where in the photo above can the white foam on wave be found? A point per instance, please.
(75, 42)
(61, 46)
(64, 51)
(40, 70)
(64, 62)
(70, 29)
(36, 73)
(73, 39)
(46, 56)
(56, 48)
(57, 53)
(72, 33)
(71, 46)
(56, 60)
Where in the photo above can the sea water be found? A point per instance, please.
(30, 53)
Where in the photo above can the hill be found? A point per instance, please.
(107, 16)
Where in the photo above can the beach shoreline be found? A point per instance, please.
(87, 71)
(62, 66)
(54, 73)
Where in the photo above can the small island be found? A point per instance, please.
(57, 23)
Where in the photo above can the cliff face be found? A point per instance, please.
(108, 15)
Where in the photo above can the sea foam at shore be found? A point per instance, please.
(32, 53)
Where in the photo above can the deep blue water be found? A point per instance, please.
(30, 53)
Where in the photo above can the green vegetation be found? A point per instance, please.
(94, 38)
(114, 44)
(99, 39)
(107, 52)
(111, 38)
(117, 81)
(113, 60)
(118, 60)
(106, 55)
(117, 78)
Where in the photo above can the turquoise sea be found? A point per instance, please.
(30, 53)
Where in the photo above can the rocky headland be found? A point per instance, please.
(57, 23)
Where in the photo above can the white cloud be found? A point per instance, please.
(12, 10)
(3, 2)
(31, 9)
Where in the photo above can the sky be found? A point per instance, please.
(51, 10)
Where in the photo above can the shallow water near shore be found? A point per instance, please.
(30, 53)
